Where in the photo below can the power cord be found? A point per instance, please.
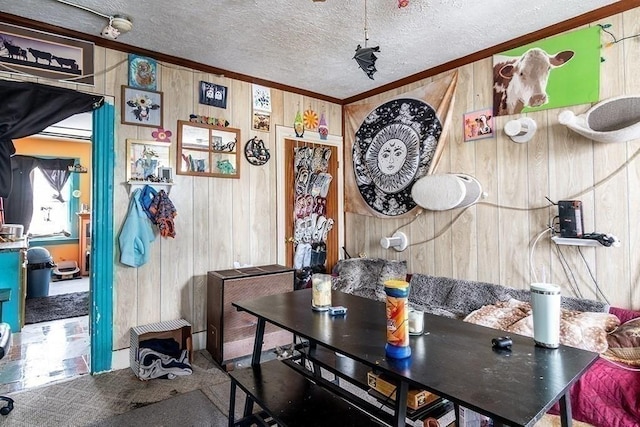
(615, 40)
(595, 282)
(569, 273)
(516, 208)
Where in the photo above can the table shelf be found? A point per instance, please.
(356, 373)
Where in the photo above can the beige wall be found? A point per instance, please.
(491, 242)
(219, 220)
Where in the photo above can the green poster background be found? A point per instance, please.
(576, 82)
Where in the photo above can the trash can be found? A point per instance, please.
(39, 265)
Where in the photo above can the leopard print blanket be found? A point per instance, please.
(585, 330)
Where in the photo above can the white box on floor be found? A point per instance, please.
(179, 330)
(469, 418)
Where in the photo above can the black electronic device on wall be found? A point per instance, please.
(570, 218)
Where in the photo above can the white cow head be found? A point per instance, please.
(484, 128)
(528, 76)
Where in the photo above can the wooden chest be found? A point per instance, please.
(230, 334)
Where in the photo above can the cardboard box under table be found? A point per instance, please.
(416, 399)
(179, 330)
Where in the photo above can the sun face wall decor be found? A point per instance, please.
(393, 147)
(374, 184)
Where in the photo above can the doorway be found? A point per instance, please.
(99, 321)
(57, 289)
(295, 226)
(53, 342)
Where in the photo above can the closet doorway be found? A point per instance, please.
(310, 199)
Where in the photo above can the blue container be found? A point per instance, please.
(39, 266)
(397, 346)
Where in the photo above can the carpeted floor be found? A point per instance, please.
(187, 409)
(88, 400)
(54, 307)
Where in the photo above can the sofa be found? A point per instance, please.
(607, 395)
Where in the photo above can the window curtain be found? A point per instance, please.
(27, 108)
(18, 208)
(56, 172)
(19, 204)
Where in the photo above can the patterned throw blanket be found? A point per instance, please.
(585, 330)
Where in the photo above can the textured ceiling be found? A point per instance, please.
(310, 45)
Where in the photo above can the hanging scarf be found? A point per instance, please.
(163, 212)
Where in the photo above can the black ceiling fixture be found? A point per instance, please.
(365, 56)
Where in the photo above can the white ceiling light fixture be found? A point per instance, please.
(118, 24)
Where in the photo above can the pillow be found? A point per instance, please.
(624, 343)
(585, 330)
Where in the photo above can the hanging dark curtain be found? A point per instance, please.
(56, 172)
(18, 208)
(28, 108)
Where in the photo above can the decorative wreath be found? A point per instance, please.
(394, 147)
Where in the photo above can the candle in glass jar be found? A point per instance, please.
(416, 322)
(321, 291)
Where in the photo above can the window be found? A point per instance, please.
(51, 217)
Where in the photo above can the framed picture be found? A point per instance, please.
(261, 98)
(142, 72)
(141, 107)
(478, 125)
(563, 70)
(213, 94)
(261, 121)
(147, 160)
(165, 174)
(46, 55)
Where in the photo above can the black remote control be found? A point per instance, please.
(501, 342)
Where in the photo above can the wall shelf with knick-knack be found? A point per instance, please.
(133, 185)
(208, 150)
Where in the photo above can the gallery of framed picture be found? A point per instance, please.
(207, 150)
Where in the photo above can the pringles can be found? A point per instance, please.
(397, 308)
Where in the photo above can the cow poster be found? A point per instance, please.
(551, 73)
(35, 53)
(478, 125)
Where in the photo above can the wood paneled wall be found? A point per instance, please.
(219, 220)
(492, 241)
(225, 220)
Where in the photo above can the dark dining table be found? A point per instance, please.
(452, 358)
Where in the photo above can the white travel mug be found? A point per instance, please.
(545, 303)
